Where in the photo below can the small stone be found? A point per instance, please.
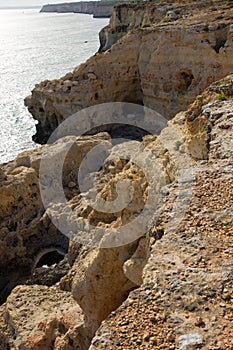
(226, 296)
(213, 26)
(68, 83)
(190, 339)
(91, 76)
(199, 322)
(2, 175)
(172, 15)
(153, 340)
(146, 336)
(71, 184)
(171, 337)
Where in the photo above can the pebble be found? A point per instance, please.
(71, 184)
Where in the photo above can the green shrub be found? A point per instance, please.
(221, 96)
(205, 128)
(191, 118)
(178, 143)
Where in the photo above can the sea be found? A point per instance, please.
(34, 47)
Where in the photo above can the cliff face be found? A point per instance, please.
(97, 9)
(185, 301)
(166, 56)
(172, 287)
(26, 232)
(131, 16)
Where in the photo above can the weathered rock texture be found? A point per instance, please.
(186, 299)
(26, 232)
(170, 287)
(182, 267)
(52, 318)
(97, 9)
(167, 55)
(94, 269)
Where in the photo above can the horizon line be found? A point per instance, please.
(20, 7)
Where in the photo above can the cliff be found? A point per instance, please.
(95, 8)
(172, 287)
(162, 56)
(185, 301)
(169, 286)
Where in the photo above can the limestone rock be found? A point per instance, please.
(100, 285)
(25, 229)
(163, 65)
(134, 266)
(103, 9)
(185, 300)
(171, 286)
(2, 175)
(185, 274)
(41, 318)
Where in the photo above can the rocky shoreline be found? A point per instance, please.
(152, 60)
(171, 287)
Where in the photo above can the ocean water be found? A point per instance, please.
(33, 47)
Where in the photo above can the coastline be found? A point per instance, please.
(99, 9)
(69, 278)
(22, 65)
(127, 68)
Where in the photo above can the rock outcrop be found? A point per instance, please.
(185, 301)
(176, 280)
(162, 62)
(41, 318)
(170, 286)
(26, 232)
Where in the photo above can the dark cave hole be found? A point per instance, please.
(118, 131)
(50, 258)
(219, 44)
(185, 79)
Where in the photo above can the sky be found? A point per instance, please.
(18, 3)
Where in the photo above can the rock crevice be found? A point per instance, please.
(171, 286)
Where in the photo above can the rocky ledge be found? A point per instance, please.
(186, 299)
(171, 286)
(169, 289)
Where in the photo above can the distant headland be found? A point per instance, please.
(99, 9)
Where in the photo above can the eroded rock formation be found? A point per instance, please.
(185, 301)
(182, 266)
(171, 286)
(26, 231)
(162, 61)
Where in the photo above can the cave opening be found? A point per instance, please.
(220, 42)
(184, 79)
(118, 131)
(50, 258)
